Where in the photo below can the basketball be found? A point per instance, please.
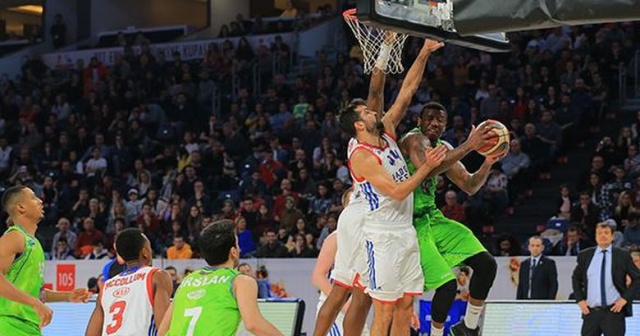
(499, 140)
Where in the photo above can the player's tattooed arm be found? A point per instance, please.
(416, 145)
(469, 183)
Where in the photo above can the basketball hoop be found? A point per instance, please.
(381, 48)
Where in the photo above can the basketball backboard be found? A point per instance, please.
(431, 19)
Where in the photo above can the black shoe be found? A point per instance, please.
(460, 329)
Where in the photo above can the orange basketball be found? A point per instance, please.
(499, 140)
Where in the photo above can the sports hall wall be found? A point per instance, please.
(292, 276)
(110, 15)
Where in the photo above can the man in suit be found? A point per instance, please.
(538, 278)
(599, 285)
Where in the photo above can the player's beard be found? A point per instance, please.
(378, 128)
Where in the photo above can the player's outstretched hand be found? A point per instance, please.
(432, 45)
(79, 295)
(479, 135)
(435, 156)
(44, 313)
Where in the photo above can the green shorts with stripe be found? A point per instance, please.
(16, 327)
(444, 244)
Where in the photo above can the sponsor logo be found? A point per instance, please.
(120, 292)
(197, 294)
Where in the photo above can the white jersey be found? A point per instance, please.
(127, 302)
(383, 209)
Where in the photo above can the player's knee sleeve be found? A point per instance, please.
(484, 272)
(443, 300)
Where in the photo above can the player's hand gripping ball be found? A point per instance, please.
(499, 140)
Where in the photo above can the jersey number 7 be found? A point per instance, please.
(194, 314)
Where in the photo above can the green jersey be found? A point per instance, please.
(424, 199)
(205, 302)
(27, 274)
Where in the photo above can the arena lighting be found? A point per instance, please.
(27, 9)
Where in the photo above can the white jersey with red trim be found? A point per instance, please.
(127, 302)
(381, 208)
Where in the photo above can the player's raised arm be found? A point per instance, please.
(375, 99)
(415, 145)
(409, 86)
(468, 182)
(366, 165)
(326, 257)
(246, 292)
(12, 244)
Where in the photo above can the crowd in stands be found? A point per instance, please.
(137, 144)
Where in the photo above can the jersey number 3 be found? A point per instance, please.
(117, 312)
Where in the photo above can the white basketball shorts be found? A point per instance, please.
(393, 262)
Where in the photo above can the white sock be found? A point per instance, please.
(436, 332)
(472, 315)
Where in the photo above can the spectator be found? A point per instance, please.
(516, 166)
(301, 249)
(632, 232)
(289, 12)
(624, 209)
(564, 202)
(245, 238)
(290, 215)
(63, 232)
(62, 250)
(175, 279)
(452, 209)
(271, 248)
(98, 252)
(246, 269)
(586, 213)
(59, 32)
(462, 280)
(180, 249)
(573, 244)
(506, 246)
(87, 237)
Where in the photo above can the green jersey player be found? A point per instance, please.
(445, 243)
(216, 297)
(22, 312)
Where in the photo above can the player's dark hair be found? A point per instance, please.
(348, 116)
(216, 240)
(431, 106)
(129, 243)
(10, 195)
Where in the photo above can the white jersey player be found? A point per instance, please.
(328, 261)
(381, 175)
(350, 261)
(134, 302)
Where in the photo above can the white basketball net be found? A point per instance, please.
(376, 52)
